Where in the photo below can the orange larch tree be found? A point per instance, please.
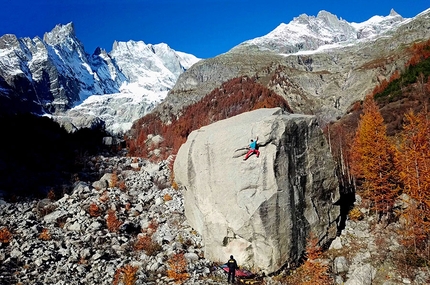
(372, 159)
(413, 164)
(178, 268)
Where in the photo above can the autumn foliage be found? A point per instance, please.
(236, 96)
(417, 70)
(45, 234)
(114, 180)
(5, 235)
(420, 52)
(413, 164)
(383, 165)
(94, 210)
(122, 186)
(315, 272)
(312, 271)
(104, 197)
(177, 268)
(125, 275)
(112, 221)
(145, 243)
(373, 159)
(167, 197)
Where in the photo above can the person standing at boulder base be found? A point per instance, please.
(232, 266)
(253, 148)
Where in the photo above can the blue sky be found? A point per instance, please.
(204, 28)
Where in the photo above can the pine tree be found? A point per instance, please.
(372, 157)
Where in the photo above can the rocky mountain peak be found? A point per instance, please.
(59, 34)
(393, 13)
(332, 22)
(98, 51)
(8, 41)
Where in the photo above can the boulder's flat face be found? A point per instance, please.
(260, 210)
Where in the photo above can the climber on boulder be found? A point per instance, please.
(253, 148)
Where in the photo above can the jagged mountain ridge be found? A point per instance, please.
(56, 69)
(53, 75)
(309, 32)
(324, 80)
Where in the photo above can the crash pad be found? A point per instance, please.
(242, 273)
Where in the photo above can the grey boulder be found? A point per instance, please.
(263, 209)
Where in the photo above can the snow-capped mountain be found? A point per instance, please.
(151, 71)
(306, 33)
(148, 67)
(52, 74)
(55, 76)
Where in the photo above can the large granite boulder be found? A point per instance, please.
(263, 209)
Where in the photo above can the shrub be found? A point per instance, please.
(178, 268)
(5, 235)
(152, 227)
(175, 185)
(94, 210)
(82, 261)
(113, 180)
(45, 235)
(312, 271)
(60, 222)
(355, 214)
(126, 275)
(167, 197)
(172, 174)
(112, 221)
(316, 273)
(145, 242)
(122, 186)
